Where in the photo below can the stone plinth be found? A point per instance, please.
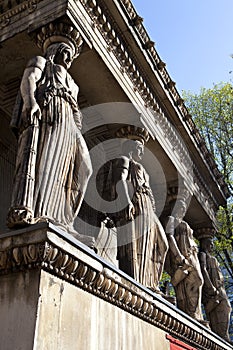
(57, 294)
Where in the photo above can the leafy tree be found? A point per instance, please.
(212, 111)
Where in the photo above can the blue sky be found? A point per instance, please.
(193, 37)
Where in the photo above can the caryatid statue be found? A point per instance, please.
(142, 242)
(182, 259)
(214, 297)
(53, 164)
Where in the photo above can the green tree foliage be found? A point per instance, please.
(212, 111)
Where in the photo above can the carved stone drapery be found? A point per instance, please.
(142, 243)
(43, 246)
(214, 297)
(53, 165)
(182, 259)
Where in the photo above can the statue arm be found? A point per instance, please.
(170, 231)
(149, 190)
(74, 90)
(32, 74)
(205, 274)
(121, 175)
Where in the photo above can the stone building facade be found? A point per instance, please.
(122, 81)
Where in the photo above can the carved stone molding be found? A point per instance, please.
(46, 247)
(8, 91)
(58, 31)
(136, 21)
(205, 232)
(9, 9)
(117, 45)
(102, 20)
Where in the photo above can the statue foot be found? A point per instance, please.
(19, 217)
(204, 323)
(155, 290)
(169, 298)
(87, 240)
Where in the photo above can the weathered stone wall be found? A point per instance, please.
(19, 294)
(76, 319)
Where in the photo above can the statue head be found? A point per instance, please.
(179, 209)
(60, 53)
(133, 149)
(136, 137)
(207, 245)
(178, 198)
(59, 33)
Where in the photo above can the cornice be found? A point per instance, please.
(129, 65)
(150, 100)
(47, 248)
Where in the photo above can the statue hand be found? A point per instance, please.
(187, 266)
(31, 114)
(184, 263)
(131, 211)
(180, 259)
(215, 291)
(35, 112)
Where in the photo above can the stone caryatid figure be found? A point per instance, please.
(53, 164)
(214, 297)
(182, 261)
(142, 242)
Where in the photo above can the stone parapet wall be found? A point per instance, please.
(54, 287)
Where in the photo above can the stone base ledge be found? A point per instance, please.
(46, 248)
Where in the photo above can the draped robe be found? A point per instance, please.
(53, 164)
(142, 242)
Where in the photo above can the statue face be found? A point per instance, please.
(138, 151)
(209, 246)
(180, 209)
(64, 57)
